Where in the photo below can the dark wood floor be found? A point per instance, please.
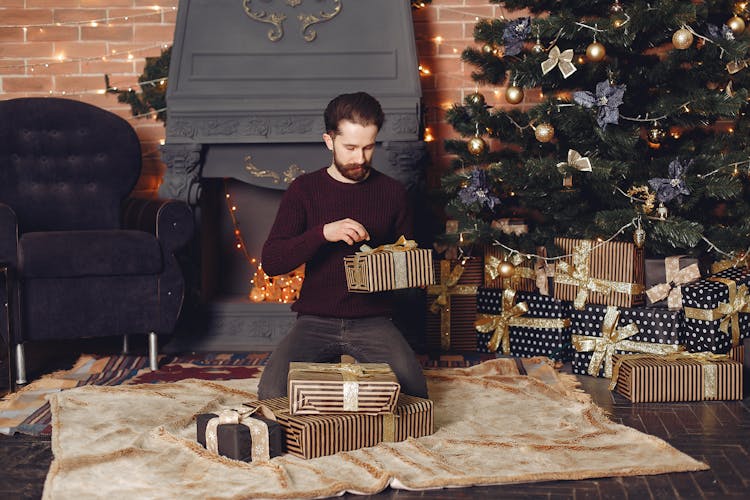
(717, 433)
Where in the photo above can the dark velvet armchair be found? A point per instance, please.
(82, 258)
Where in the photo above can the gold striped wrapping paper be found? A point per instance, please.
(644, 378)
(389, 270)
(311, 436)
(321, 388)
(595, 267)
(452, 305)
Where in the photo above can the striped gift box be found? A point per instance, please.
(311, 436)
(321, 388)
(644, 378)
(379, 271)
(616, 263)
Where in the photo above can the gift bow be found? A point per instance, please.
(576, 161)
(260, 449)
(706, 359)
(492, 270)
(676, 277)
(564, 62)
(614, 338)
(579, 277)
(499, 323)
(401, 245)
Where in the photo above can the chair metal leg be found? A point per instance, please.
(20, 365)
(125, 344)
(153, 351)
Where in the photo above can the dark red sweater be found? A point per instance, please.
(379, 203)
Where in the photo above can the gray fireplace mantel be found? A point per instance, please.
(248, 83)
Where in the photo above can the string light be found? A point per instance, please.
(114, 52)
(156, 10)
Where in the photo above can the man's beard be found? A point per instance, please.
(353, 171)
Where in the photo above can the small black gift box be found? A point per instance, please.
(235, 440)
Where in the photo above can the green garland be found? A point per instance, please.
(152, 97)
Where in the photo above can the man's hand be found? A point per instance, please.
(347, 230)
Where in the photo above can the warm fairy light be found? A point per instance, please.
(60, 57)
(730, 130)
(156, 8)
(428, 137)
(438, 39)
(94, 24)
(162, 141)
(130, 57)
(234, 208)
(423, 70)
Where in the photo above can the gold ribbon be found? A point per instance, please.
(492, 270)
(727, 312)
(563, 60)
(260, 449)
(389, 427)
(400, 245)
(614, 338)
(448, 286)
(676, 277)
(351, 374)
(579, 277)
(706, 359)
(499, 325)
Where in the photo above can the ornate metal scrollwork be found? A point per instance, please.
(291, 173)
(276, 19)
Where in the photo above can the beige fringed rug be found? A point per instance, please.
(493, 426)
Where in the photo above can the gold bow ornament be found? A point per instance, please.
(576, 162)
(613, 339)
(447, 287)
(737, 65)
(727, 313)
(676, 277)
(579, 276)
(707, 360)
(563, 61)
(260, 447)
(492, 271)
(511, 315)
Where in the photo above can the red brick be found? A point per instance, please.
(52, 34)
(78, 15)
(135, 16)
(166, 4)
(107, 67)
(26, 50)
(27, 17)
(105, 3)
(77, 84)
(27, 84)
(154, 32)
(470, 14)
(12, 3)
(148, 129)
(54, 67)
(11, 35)
(80, 50)
(56, 4)
(13, 67)
(108, 33)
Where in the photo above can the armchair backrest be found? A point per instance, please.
(65, 164)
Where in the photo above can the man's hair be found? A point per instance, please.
(360, 108)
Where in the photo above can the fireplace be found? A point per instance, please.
(248, 83)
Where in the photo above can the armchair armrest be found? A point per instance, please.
(170, 220)
(8, 236)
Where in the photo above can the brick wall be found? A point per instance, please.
(52, 48)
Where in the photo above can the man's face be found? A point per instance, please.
(353, 146)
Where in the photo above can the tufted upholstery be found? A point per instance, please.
(87, 261)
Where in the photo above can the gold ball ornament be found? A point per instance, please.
(595, 52)
(736, 24)
(487, 48)
(477, 99)
(514, 94)
(506, 269)
(544, 132)
(476, 146)
(655, 136)
(682, 39)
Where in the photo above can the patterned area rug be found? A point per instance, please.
(27, 411)
(145, 444)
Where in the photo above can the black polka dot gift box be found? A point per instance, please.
(714, 308)
(598, 332)
(523, 324)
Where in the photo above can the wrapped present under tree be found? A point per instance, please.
(246, 434)
(665, 277)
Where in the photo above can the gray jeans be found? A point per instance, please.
(317, 339)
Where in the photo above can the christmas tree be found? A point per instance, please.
(641, 132)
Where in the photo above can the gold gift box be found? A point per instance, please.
(644, 378)
(389, 270)
(323, 388)
(614, 273)
(311, 436)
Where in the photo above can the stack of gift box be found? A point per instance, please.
(330, 407)
(658, 328)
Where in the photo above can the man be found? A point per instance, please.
(324, 216)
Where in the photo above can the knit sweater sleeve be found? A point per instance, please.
(290, 243)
